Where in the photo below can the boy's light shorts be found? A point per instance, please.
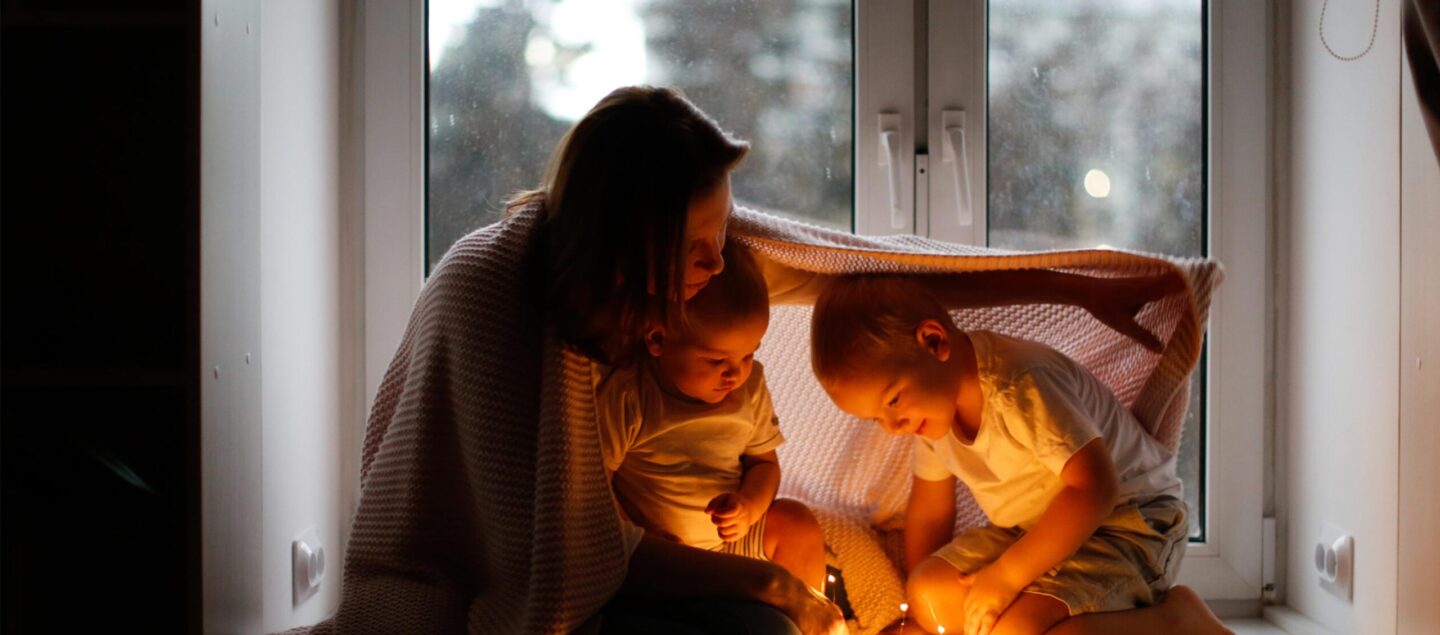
(1130, 562)
(751, 545)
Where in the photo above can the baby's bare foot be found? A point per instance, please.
(1188, 614)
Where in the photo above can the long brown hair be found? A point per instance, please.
(616, 197)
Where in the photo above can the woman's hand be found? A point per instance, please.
(1116, 302)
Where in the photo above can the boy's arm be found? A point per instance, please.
(1091, 486)
(929, 518)
(734, 513)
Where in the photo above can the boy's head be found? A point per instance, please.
(712, 351)
(883, 347)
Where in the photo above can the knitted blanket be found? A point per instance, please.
(484, 506)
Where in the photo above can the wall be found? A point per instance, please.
(300, 299)
(1419, 556)
(1339, 328)
(230, 455)
(279, 424)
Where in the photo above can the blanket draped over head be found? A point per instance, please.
(484, 505)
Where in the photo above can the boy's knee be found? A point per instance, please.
(794, 519)
(936, 594)
(1032, 614)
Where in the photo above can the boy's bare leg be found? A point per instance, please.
(793, 540)
(937, 597)
(1182, 612)
(1031, 614)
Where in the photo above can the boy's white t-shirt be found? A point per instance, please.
(1040, 408)
(671, 455)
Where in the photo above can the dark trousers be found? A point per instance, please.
(694, 617)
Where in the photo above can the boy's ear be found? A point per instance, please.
(934, 338)
(655, 340)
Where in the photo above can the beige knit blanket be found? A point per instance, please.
(484, 505)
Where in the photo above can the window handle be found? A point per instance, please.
(890, 160)
(953, 122)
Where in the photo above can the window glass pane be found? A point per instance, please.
(507, 78)
(1096, 137)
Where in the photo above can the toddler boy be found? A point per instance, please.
(689, 435)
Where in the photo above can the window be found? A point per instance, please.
(1137, 124)
(1095, 136)
(508, 79)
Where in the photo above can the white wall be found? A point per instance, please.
(230, 452)
(1419, 558)
(1340, 308)
(300, 230)
(278, 428)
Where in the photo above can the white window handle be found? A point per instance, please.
(953, 122)
(890, 160)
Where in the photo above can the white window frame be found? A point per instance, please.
(1227, 569)
(392, 186)
(1228, 566)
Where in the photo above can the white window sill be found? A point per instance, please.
(1278, 620)
(1253, 626)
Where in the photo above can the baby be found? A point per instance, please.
(689, 435)
(1086, 518)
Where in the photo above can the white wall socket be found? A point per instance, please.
(307, 559)
(1335, 561)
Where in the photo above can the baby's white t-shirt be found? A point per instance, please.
(1041, 407)
(671, 455)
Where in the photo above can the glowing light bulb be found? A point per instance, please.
(904, 606)
(1097, 184)
(831, 578)
(942, 630)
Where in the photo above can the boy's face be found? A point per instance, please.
(911, 391)
(709, 364)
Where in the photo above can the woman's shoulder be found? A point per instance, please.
(486, 255)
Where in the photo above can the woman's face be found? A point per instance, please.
(708, 215)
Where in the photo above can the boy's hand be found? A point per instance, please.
(731, 514)
(990, 594)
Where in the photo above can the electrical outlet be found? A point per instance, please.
(1335, 561)
(307, 560)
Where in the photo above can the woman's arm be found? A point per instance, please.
(664, 570)
(1113, 301)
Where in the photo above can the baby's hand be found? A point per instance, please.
(990, 594)
(731, 514)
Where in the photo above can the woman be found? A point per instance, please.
(484, 505)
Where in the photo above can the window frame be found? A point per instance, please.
(1229, 565)
(392, 43)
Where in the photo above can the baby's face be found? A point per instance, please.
(910, 394)
(708, 366)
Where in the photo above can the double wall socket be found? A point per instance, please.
(307, 560)
(1335, 561)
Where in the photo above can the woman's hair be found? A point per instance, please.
(860, 322)
(736, 294)
(616, 197)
